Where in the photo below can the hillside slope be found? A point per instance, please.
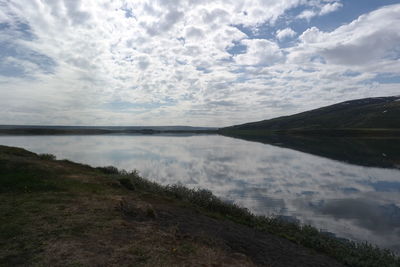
(367, 113)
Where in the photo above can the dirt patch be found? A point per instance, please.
(123, 242)
(262, 248)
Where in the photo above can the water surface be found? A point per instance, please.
(351, 201)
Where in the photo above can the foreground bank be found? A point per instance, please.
(56, 212)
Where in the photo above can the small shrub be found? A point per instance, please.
(150, 212)
(126, 183)
(108, 170)
(206, 199)
(47, 156)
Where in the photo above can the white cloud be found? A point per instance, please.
(145, 53)
(171, 60)
(311, 35)
(194, 33)
(319, 9)
(329, 8)
(307, 14)
(369, 39)
(285, 33)
(259, 52)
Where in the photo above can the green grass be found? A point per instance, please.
(22, 182)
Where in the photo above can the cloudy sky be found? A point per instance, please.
(193, 62)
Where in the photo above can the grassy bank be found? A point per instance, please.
(60, 213)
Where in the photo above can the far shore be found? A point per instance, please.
(92, 130)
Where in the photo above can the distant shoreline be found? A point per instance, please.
(70, 130)
(94, 131)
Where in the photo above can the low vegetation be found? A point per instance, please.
(56, 212)
(47, 156)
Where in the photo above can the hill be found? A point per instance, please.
(378, 114)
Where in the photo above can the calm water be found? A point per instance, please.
(356, 202)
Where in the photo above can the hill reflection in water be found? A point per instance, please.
(372, 152)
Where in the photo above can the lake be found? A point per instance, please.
(352, 200)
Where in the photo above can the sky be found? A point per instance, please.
(194, 62)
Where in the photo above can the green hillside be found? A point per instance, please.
(369, 113)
